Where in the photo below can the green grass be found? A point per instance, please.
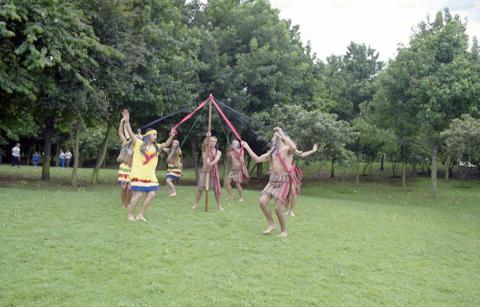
(106, 176)
(371, 245)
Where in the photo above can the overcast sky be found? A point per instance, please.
(330, 25)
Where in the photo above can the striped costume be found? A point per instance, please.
(142, 175)
(124, 173)
(174, 165)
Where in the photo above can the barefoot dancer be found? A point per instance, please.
(209, 166)
(174, 166)
(239, 173)
(125, 159)
(293, 200)
(144, 163)
(284, 178)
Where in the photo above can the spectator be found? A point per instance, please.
(36, 159)
(62, 159)
(16, 155)
(68, 156)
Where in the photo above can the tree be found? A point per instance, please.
(350, 79)
(462, 141)
(49, 43)
(432, 81)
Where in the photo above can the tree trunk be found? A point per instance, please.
(381, 162)
(101, 154)
(447, 168)
(259, 170)
(357, 173)
(195, 161)
(250, 170)
(394, 167)
(47, 147)
(434, 171)
(364, 171)
(29, 154)
(76, 151)
(332, 169)
(404, 175)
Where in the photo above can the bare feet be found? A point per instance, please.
(241, 200)
(195, 206)
(287, 212)
(131, 218)
(141, 218)
(283, 234)
(220, 208)
(172, 195)
(269, 230)
(292, 214)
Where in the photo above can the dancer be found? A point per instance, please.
(174, 166)
(293, 200)
(284, 178)
(144, 163)
(125, 159)
(209, 168)
(239, 173)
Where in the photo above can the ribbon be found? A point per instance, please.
(188, 116)
(226, 119)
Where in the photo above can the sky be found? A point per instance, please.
(330, 25)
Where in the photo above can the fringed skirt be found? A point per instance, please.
(282, 187)
(239, 175)
(214, 183)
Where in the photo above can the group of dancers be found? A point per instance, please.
(139, 158)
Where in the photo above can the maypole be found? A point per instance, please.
(208, 149)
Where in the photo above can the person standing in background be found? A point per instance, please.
(36, 159)
(62, 159)
(16, 155)
(68, 157)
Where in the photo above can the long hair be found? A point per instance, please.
(205, 144)
(143, 148)
(174, 153)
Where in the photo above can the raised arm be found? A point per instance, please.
(306, 153)
(279, 133)
(167, 143)
(263, 158)
(126, 120)
(121, 131)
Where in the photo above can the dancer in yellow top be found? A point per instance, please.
(142, 174)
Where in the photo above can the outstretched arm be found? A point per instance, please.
(306, 153)
(126, 120)
(167, 143)
(121, 130)
(257, 159)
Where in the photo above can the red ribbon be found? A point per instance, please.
(226, 119)
(188, 116)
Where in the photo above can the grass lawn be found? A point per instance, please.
(375, 245)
